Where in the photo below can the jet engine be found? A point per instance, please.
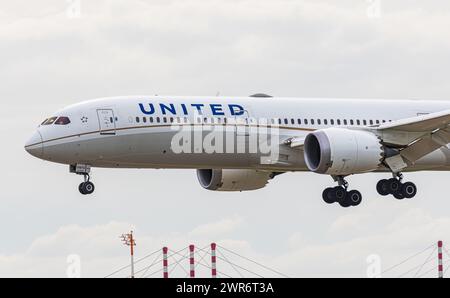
(233, 180)
(341, 152)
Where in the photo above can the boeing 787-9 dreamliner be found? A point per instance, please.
(242, 143)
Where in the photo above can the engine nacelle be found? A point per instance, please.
(341, 151)
(233, 180)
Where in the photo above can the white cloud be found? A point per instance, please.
(101, 251)
(350, 221)
(217, 229)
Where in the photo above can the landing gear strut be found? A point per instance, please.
(397, 188)
(86, 187)
(341, 195)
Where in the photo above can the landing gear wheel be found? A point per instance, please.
(328, 196)
(81, 188)
(339, 194)
(395, 186)
(399, 195)
(354, 197)
(383, 187)
(409, 190)
(345, 203)
(86, 188)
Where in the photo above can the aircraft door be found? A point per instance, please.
(107, 121)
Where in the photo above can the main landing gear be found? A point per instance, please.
(86, 187)
(394, 186)
(341, 195)
(397, 188)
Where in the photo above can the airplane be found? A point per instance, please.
(333, 137)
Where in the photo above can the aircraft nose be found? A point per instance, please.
(34, 146)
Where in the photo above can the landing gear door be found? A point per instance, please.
(107, 121)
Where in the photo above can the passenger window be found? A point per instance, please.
(358, 122)
(345, 122)
(306, 121)
(312, 121)
(332, 121)
(143, 119)
(319, 122)
(352, 122)
(279, 121)
(299, 121)
(365, 122)
(292, 121)
(286, 121)
(339, 121)
(138, 119)
(151, 119)
(62, 121)
(325, 121)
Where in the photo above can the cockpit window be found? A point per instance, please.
(50, 121)
(62, 121)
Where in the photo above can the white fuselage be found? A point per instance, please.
(138, 131)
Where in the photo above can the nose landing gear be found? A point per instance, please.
(86, 187)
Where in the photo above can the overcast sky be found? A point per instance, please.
(54, 53)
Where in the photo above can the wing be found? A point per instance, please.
(417, 136)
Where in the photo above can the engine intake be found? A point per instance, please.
(341, 151)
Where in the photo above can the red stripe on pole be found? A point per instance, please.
(192, 260)
(165, 263)
(440, 264)
(213, 260)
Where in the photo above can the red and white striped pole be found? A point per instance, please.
(192, 260)
(440, 264)
(213, 260)
(165, 262)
